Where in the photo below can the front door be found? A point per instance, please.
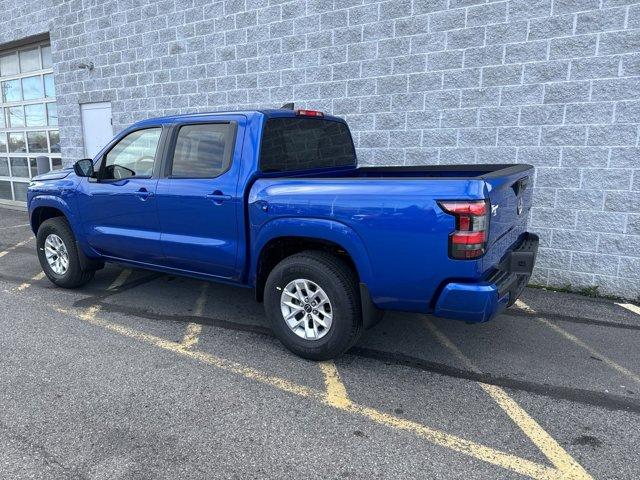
(119, 208)
(197, 200)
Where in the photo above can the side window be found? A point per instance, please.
(202, 151)
(133, 156)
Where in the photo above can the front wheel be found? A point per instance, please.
(58, 254)
(312, 302)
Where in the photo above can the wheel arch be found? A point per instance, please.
(284, 237)
(44, 208)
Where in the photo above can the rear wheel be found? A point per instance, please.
(58, 254)
(312, 302)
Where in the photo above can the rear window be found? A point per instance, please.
(202, 151)
(290, 144)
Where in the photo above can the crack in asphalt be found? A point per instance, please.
(47, 457)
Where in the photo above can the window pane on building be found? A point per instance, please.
(54, 141)
(37, 142)
(49, 89)
(28, 122)
(9, 64)
(16, 117)
(52, 114)
(19, 167)
(35, 115)
(11, 91)
(17, 143)
(32, 88)
(5, 190)
(46, 57)
(30, 60)
(20, 190)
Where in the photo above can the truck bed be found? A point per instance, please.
(463, 171)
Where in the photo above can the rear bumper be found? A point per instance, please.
(480, 301)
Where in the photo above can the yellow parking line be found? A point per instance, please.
(545, 443)
(17, 245)
(572, 338)
(630, 306)
(336, 391)
(437, 437)
(192, 334)
(120, 279)
(25, 285)
(523, 306)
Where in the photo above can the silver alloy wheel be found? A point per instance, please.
(306, 309)
(56, 253)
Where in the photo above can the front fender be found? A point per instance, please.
(53, 201)
(316, 229)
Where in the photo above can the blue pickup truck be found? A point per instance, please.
(274, 200)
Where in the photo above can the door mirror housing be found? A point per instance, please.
(84, 167)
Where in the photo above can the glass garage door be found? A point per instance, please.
(28, 118)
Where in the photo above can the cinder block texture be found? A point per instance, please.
(555, 83)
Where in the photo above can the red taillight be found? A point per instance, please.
(461, 208)
(472, 221)
(464, 238)
(309, 113)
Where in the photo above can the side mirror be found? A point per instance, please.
(84, 167)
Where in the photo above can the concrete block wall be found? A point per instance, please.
(554, 83)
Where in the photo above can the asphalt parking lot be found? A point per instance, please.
(143, 375)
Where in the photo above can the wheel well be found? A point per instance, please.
(280, 248)
(41, 214)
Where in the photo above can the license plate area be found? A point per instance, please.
(522, 262)
(523, 258)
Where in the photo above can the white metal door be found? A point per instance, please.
(96, 126)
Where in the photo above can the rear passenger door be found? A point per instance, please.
(198, 199)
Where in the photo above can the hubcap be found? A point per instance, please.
(56, 253)
(306, 309)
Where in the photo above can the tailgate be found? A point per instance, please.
(510, 193)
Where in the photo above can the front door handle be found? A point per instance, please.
(143, 194)
(218, 197)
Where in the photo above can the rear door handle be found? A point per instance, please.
(143, 194)
(218, 197)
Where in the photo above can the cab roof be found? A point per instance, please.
(267, 113)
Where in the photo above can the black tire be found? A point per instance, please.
(341, 286)
(75, 276)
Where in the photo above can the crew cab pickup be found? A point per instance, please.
(274, 200)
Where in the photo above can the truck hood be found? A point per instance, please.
(53, 175)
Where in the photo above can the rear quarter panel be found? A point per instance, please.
(393, 229)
